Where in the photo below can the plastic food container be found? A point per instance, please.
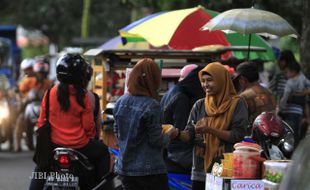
(227, 163)
(228, 156)
(270, 185)
(274, 170)
(245, 164)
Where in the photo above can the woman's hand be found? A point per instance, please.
(201, 126)
(172, 132)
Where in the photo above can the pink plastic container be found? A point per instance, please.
(245, 164)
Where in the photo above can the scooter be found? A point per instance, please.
(64, 169)
(31, 115)
(27, 119)
(275, 136)
(70, 169)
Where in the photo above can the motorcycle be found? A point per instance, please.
(63, 169)
(274, 135)
(31, 115)
(27, 119)
(71, 169)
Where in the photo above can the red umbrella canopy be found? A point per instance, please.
(178, 29)
(191, 34)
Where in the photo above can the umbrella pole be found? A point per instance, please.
(249, 46)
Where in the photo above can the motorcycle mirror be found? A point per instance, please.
(289, 142)
(288, 147)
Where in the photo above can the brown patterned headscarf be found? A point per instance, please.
(144, 79)
(219, 108)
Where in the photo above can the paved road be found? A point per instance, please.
(15, 170)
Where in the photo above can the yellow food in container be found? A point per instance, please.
(166, 127)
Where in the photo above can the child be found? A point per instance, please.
(296, 83)
(292, 105)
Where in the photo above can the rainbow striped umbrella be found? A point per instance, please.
(181, 30)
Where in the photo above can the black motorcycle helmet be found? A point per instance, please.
(73, 69)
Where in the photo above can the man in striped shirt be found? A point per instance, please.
(277, 83)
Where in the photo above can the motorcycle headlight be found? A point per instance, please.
(4, 112)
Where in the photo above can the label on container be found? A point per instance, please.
(209, 181)
(214, 183)
(218, 183)
(247, 185)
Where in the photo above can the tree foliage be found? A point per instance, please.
(305, 38)
(61, 20)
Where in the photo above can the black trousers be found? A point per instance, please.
(150, 182)
(98, 154)
(198, 185)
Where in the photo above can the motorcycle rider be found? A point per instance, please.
(32, 89)
(71, 115)
(95, 103)
(26, 68)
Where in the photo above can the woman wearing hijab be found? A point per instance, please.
(216, 122)
(137, 126)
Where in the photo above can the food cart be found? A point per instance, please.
(107, 63)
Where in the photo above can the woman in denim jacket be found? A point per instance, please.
(137, 126)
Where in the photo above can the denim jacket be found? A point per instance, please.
(140, 138)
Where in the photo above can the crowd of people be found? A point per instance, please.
(210, 109)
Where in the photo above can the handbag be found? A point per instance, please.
(43, 151)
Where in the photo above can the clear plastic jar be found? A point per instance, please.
(244, 166)
(274, 170)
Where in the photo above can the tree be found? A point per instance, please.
(61, 20)
(305, 38)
